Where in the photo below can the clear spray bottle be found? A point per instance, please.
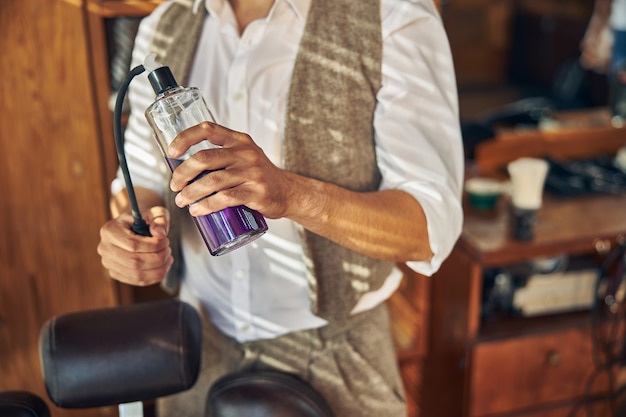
(175, 109)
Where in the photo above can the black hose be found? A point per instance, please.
(139, 224)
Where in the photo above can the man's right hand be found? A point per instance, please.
(134, 259)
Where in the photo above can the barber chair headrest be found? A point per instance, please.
(122, 354)
(263, 394)
(22, 404)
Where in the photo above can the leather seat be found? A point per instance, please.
(22, 404)
(120, 355)
(140, 352)
(265, 394)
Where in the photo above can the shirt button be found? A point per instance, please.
(240, 274)
(245, 328)
(237, 96)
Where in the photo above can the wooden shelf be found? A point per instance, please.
(573, 225)
(115, 8)
(571, 135)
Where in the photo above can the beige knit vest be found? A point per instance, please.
(329, 128)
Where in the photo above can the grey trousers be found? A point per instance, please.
(352, 364)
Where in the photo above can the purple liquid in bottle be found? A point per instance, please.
(227, 229)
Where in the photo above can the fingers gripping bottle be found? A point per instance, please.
(175, 109)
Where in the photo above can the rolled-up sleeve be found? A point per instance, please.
(418, 137)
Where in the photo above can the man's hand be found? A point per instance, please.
(239, 173)
(134, 259)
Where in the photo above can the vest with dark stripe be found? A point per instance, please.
(328, 128)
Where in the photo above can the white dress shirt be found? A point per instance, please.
(260, 290)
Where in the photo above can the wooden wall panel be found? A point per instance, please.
(480, 34)
(53, 198)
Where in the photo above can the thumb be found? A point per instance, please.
(159, 220)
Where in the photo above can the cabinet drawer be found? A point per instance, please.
(600, 408)
(532, 370)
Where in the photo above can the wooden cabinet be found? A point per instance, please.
(53, 194)
(546, 365)
(408, 309)
(98, 14)
(479, 368)
(543, 368)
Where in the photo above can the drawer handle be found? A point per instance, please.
(553, 358)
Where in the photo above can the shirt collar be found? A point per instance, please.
(301, 7)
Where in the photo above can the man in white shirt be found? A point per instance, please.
(604, 44)
(604, 51)
(256, 298)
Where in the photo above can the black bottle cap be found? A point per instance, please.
(162, 80)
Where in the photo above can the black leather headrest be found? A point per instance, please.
(122, 354)
(264, 394)
(22, 404)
